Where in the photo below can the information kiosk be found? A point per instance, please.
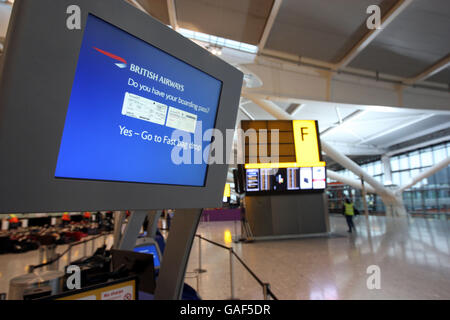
(109, 115)
(285, 179)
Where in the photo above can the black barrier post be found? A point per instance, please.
(200, 270)
(231, 274)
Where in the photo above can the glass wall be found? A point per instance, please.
(431, 195)
(338, 192)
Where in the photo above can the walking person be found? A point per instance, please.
(349, 212)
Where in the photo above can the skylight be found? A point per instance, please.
(218, 41)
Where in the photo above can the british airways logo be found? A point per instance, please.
(120, 62)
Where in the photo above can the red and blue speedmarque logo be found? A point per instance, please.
(120, 62)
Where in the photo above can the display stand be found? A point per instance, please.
(287, 216)
(171, 275)
(48, 183)
(170, 282)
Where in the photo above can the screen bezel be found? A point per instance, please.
(154, 46)
(32, 123)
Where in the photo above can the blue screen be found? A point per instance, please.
(150, 249)
(132, 107)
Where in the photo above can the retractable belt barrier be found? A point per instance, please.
(267, 292)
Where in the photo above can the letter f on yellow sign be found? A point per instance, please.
(307, 152)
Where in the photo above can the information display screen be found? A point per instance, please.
(150, 249)
(285, 179)
(133, 108)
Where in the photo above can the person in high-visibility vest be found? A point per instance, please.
(65, 218)
(349, 212)
(13, 222)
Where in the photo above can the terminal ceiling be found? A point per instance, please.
(326, 31)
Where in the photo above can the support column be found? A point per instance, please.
(134, 225)
(176, 255)
(153, 218)
(387, 169)
(119, 218)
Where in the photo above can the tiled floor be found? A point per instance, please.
(413, 256)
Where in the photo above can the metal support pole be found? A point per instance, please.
(231, 275)
(69, 256)
(46, 259)
(93, 246)
(41, 255)
(200, 270)
(266, 291)
(198, 282)
(56, 262)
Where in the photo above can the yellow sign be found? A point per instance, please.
(227, 191)
(307, 151)
(120, 291)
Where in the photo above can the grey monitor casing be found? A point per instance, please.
(37, 74)
(143, 242)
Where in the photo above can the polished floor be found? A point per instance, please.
(413, 255)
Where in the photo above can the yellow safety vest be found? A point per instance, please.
(349, 211)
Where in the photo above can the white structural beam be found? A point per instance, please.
(269, 106)
(269, 24)
(430, 71)
(172, 14)
(244, 111)
(343, 122)
(5, 14)
(349, 164)
(349, 181)
(396, 128)
(372, 34)
(138, 5)
(288, 82)
(437, 167)
(356, 150)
